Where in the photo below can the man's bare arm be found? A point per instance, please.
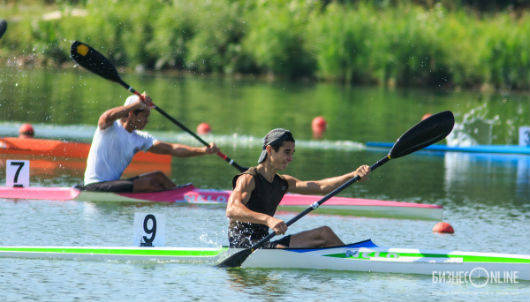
(323, 186)
(180, 150)
(110, 116)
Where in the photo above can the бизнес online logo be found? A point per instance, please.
(477, 277)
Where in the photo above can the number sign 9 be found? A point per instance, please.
(149, 229)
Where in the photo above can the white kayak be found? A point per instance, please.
(362, 256)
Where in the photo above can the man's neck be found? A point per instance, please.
(267, 170)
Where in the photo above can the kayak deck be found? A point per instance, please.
(363, 256)
(188, 194)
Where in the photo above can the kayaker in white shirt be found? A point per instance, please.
(116, 141)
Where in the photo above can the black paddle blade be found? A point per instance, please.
(92, 60)
(3, 27)
(236, 259)
(425, 133)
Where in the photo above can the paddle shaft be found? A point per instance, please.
(315, 205)
(219, 153)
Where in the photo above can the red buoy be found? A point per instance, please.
(203, 128)
(443, 228)
(318, 125)
(26, 131)
(426, 115)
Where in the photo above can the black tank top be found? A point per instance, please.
(265, 199)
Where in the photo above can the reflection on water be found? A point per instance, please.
(488, 176)
(258, 282)
(523, 178)
(247, 107)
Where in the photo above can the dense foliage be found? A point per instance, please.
(420, 43)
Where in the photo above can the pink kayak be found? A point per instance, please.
(188, 194)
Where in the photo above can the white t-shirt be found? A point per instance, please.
(112, 151)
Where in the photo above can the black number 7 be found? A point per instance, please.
(20, 164)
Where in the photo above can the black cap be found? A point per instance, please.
(274, 137)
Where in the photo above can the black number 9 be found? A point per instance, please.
(147, 230)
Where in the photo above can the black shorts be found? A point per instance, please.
(117, 186)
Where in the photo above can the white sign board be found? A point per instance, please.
(149, 229)
(17, 173)
(524, 136)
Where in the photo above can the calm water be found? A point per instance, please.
(486, 197)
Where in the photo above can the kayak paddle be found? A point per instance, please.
(3, 27)
(425, 133)
(94, 61)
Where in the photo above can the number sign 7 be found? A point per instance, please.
(17, 173)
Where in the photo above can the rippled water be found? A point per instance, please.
(486, 198)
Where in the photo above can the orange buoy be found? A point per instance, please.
(26, 131)
(203, 128)
(426, 115)
(443, 228)
(318, 125)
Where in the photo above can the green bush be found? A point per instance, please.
(409, 52)
(215, 47)
(462, 38)
(174, 27)
(402, 42)
(507, 54)
(342, 42)
(277, 43)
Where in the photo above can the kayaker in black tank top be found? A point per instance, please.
(258, 191)
(264, 199)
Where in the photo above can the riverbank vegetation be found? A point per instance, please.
(403, 43)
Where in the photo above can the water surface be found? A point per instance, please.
(486, 197)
